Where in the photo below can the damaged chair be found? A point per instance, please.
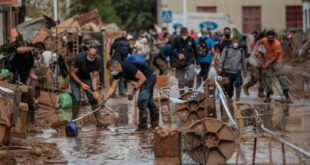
(162, 85)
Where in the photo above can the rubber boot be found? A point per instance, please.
(154, 112)
(98, 117)
(260, 94)
(142, 127)
(246, 90)
(238, 93)
(75, 111)
(287, 96)
(267, 99)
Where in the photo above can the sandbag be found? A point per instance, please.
(65, 100)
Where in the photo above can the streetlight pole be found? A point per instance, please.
(55, 10)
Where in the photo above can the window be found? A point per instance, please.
(251, 18)
(207, 9)
(294, 17)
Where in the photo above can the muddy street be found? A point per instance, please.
(154, 82)
(116, 145)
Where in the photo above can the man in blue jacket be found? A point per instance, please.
(184, 48)
(205, 50)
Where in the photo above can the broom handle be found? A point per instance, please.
(99, 101)
(79, 118)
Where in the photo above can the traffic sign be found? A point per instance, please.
(166, 16)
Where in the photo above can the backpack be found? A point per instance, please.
(9, 58)
(175, 62)
(137, 59)
(202, 47)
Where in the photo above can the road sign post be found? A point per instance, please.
(166, 16)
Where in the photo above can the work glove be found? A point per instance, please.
(96, 95)
(84, 86)
(131, 94)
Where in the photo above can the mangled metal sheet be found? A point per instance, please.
(35, 29)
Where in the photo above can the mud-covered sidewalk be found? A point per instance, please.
(116, 145)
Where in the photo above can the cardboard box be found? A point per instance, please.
(49, 99)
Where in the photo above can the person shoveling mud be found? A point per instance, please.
(136, 70)
(83, 65)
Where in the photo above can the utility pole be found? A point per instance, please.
(184, 12)
(55, 10)
(159, 8)
(68, 3)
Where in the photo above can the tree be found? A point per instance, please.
(128, 14)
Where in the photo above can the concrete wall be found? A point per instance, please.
(273, 11)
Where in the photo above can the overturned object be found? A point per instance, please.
(206, 141)
(166, 143)
(191, 110)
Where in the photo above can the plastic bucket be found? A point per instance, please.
(71, 129)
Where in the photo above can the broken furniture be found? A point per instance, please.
(163, 85)
(200, 106)
(246, 116)
(13, 113)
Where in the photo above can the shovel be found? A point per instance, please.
(71, 128)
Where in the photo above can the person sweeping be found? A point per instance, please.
(146, 79)
(83, 66)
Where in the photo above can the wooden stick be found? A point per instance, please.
(254, 151)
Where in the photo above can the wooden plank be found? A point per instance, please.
(23, 88)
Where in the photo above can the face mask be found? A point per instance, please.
(227, 36)
(235, 45)
(114, 73)
(89, 59)
(270, 41)
(184, 37)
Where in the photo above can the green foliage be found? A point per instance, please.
(19, 42)
(128, 14)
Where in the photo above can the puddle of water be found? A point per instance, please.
(118, 146)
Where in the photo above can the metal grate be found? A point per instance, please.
(192, 148)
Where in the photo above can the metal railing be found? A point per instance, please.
(274, 135)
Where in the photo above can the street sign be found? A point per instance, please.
(208, 24)
(166, 16)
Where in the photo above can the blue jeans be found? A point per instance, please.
(76, 92)
(203, 75)
(145, 100)
(121, 85)
(235, 79)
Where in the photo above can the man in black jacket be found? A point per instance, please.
(184, 48)
(120, 49)
(23, 72)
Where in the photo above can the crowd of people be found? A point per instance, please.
(192, 55)
(134, 57)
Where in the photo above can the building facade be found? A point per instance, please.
(306, 15)
(247, 15)
(12, 13)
